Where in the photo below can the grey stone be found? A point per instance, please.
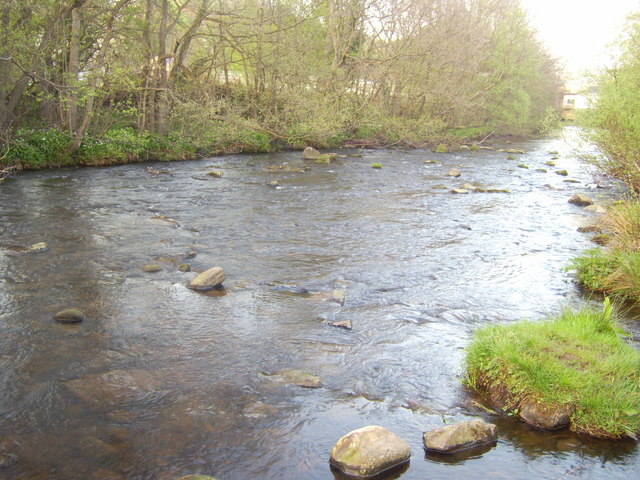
(369, 451)
(460, 436)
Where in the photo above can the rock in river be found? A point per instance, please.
(69, 315)
(540, 416)
(152, 268)
(196, 476)
(369, 451)
(300, 378)
(38, 247)
(113, 388)
(207, 280)
(581, 200)
(310, 153)
(460, 436)
(454, 172)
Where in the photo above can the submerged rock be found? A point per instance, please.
(563, 173)
(196, 476)
(596, 209)
(184, 267)
(590, 229)
(207, 280)
(310, 153)
(459, 191)
(69, 315)
(112, 388)
(369, 451)
(152, 268)
(346, 324)
(215, 174)
(7, 459)
(581, 200)
(338, 295)
(460, 436)
(300, 378)
(454, 172)
(38, 247)
(540, 416)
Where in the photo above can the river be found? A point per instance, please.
(160, 381)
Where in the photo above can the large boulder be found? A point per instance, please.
(369, 451)
(310, 153)
(540, 416)
(207, 280)
(460, 436)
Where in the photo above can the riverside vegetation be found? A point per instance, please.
(579, 361)
(95, 83)
(614, 125)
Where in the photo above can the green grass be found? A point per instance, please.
(578, 359)
(615, 270)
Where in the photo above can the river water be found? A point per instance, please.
(160, 381)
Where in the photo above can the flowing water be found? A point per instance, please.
(160, 381)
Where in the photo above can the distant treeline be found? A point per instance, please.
(100, 81)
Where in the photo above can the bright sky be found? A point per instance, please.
(579, 31)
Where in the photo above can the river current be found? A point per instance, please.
(159, 381)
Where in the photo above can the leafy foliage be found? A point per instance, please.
(614, 123)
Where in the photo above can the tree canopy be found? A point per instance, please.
(236, 74)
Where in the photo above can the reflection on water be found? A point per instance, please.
(160, 381)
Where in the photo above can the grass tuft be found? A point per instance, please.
(577, 359)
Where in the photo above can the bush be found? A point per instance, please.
(34, 148)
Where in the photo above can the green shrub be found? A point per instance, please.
(34, 148)
(592, 268)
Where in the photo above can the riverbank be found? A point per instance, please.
(614, 268)
(40, 149)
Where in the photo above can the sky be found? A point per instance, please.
(579, 31)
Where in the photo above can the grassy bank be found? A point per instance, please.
(615, 269)
(577, 360)
(33, 149)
